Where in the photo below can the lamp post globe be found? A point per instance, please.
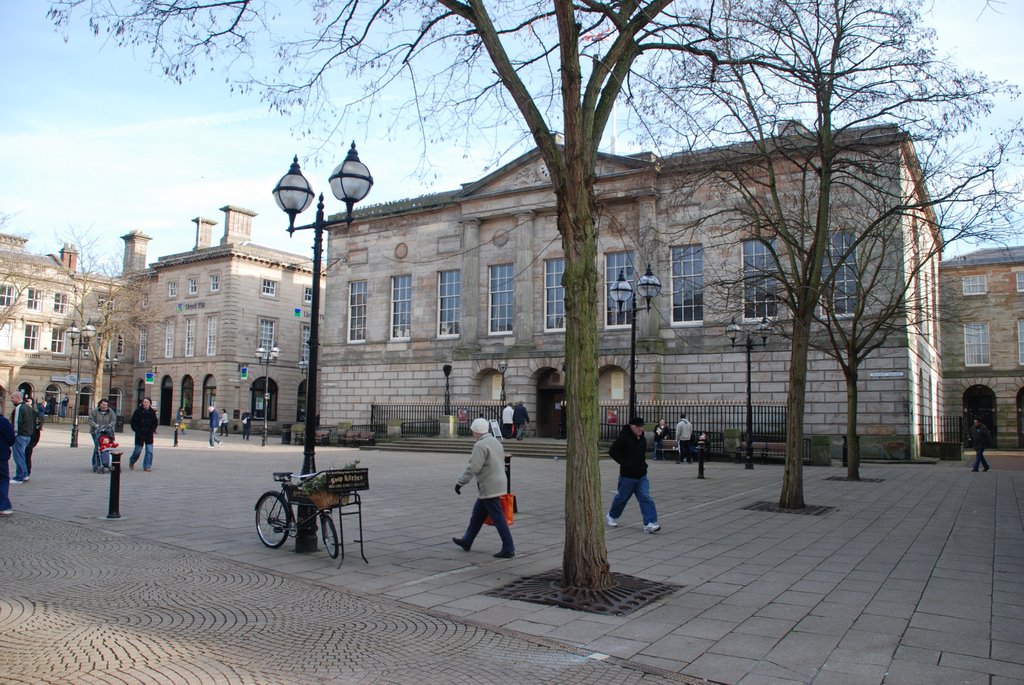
(733, 331)
(622, 293)
(350, 182)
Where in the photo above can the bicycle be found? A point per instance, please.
(275, 520)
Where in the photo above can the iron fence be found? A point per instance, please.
(424, 420)
(716, 417)
(946, 428)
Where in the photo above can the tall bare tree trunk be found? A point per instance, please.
(852, 441)
(792, 495)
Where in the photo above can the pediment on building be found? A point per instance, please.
(529, 172)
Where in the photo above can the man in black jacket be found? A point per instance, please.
(144, 422)
(630, 452)
(980, 439)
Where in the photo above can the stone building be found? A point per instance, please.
(41, 298)
(983, 339)
(472, 277)
(207, 311)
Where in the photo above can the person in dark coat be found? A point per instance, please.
(7, 438)
(629, 451)
(144, 422)
(980, 439)
(521, 419)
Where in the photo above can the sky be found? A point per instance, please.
(94, 140)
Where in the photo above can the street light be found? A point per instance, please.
(733, 330)
(265, 356)
(621, 291)
(350, 182)
(503, 367)
(82, 337)
(447, 368)
(111, 365)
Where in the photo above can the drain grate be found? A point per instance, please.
(860, 480)
(809, 510)
(626, 596)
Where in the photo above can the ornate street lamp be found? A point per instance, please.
(82, 337)
(111, 364)
(350, 182)
(265, 356)
(447, 368)
(503, 367)
(733, 330)
(621, 292)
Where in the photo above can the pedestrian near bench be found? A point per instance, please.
(980, 439)
(144, 422)
(660, 432)
(684, 440)
(629, 451)
(487, 465)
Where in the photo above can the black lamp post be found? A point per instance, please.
(733, 330)
(621, 291)
(350, 182)
(447, 368)
(503, 367)
(111, 364)
(82, 337)
(265, 356)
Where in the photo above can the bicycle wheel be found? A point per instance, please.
(273, 519)
(329, 534)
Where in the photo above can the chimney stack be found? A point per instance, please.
(204, 232)
(69, 257)
(237, 224)
(134, 252)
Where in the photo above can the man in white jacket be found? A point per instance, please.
(487, 465)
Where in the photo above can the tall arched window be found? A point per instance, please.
(209, 395)
(263, 396)
(188, 391)
(300, 403)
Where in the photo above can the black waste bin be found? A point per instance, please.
(286, 434)
(119, 424)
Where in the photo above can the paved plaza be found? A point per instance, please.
(913, 576)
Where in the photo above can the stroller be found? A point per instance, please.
(105, 448)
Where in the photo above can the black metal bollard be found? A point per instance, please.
(844, 452)
(113, 506)
(508, 481)
(175, 435)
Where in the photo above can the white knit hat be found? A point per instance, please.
(480, 426)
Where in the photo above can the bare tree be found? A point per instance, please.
(882, 109)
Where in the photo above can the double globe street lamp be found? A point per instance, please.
(621, 292)
(266, 356)
(82, 337)
(350, 182)
(748, 343)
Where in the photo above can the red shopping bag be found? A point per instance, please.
(508, 504)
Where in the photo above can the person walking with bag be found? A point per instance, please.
(214, 426)
(487, 465)
(144, 422)
(629, 451)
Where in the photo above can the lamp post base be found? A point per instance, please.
(74, 435)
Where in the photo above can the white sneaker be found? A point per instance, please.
(610, 522)
(7, 512)
(652, 527)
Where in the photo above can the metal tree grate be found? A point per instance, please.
(809, 510)
(626, 596)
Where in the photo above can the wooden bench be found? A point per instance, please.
(322, 436)
(763, 449)
(358, 437)
(669, 446)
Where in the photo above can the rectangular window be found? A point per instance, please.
(841, 268)
(211, 336)
(759, 286)
(401, 307)
(357, 311)
(6, 336)
(268, 288)
(60, 303)
(190, 336)
(554, 295)
(502, 295)
(169, 341)
(268, 331)
(1020, 281)
(145, 300)
(8, 296)
(57, 341)
(172, 289)
(119, 346)
(687, 283)
(307, 295)
(34, 300)
(1020, 342)
(305, 343)
(449, 303)
(143, 341)
(975, 285)
(32, 337)
(193, 285)
(976, 344)
(616, 263)
(214, 282)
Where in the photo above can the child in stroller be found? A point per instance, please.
(106, 446)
